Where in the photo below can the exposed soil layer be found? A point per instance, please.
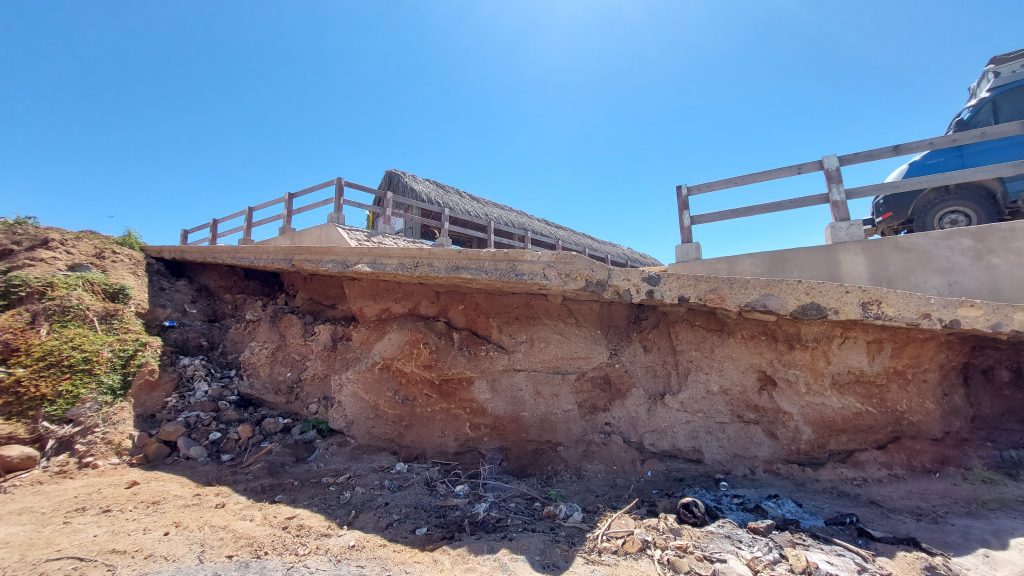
(538, 382)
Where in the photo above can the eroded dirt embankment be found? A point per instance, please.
(545, 382)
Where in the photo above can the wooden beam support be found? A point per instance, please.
(337, 216)
(289, 209)
(183, 237)
(213, 232)
(445, 218)
(836, 190)
(247, 227)
(528, 240)
(387, 225)
(683, 204)
(490, 233)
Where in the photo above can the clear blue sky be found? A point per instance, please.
(159, 115)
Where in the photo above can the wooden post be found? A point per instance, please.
(213, 232)
(586, 252)
(183, 238)
(608, 259)
(683, 202)
(528, 240)
(443, 238)
(627, 262)
(247, 227)
(490, 234)
(337, 216)
(286, 223)
(558, 244)
(386, 223)
(836, 191)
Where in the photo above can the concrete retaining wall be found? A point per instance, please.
(980, 262)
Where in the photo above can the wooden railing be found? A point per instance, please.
(497, 235)
(836, 195)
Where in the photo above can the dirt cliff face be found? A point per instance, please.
(541, 381)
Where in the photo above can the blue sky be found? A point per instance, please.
(159, 115)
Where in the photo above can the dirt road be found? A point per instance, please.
(281, 518)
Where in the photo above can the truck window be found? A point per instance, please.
(979, 118)
(1010, 105)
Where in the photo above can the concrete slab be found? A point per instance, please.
(572, 276)
(980, 262)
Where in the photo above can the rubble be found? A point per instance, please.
(206, 419)
(745, 533)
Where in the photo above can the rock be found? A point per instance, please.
(142, 440)
(632, 545)
(156, 451)
(308, 437)
(230, 415)
(246, 430)
(252, 316)
(421, 531)
(678, 565)
(768, 303)
(150, 387)
(203, 406)
(797, 561)
(15, 458)
(312, 409)
(189, 448)
(732, 567)
(702, 568)
(214, 436)
(762, 528)
(171, 431)
(131, 484)
(271, 426)
(809, 311)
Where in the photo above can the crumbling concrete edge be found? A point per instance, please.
(573, 276)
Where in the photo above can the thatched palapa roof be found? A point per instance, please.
(461, 202)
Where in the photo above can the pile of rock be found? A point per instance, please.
(206, 418)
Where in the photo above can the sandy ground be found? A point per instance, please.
(278, 518)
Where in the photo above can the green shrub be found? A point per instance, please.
(318, 424)
(66, 337)
(130, 239)
(19, 220)
(20, 286)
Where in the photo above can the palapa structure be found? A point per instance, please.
(460, 202)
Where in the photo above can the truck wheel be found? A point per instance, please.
(956, 209)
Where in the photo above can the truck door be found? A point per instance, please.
(1006, 107)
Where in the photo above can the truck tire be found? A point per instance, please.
(955, 209)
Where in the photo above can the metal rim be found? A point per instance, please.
(955, 217)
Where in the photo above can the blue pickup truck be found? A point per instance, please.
(996, 98)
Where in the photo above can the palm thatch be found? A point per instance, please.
(458, 201)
